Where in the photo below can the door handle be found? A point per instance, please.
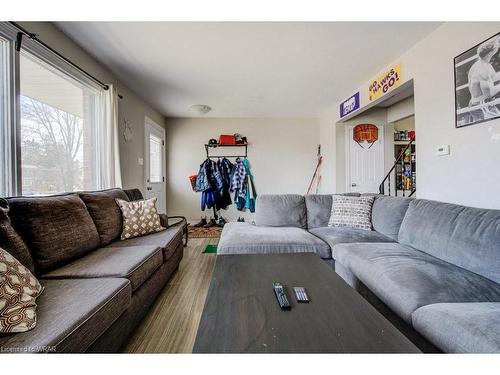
(354, 184)
(149, 188)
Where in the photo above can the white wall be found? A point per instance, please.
(328, 140)
(470, 175)
(401, 110)
(282, 154)
(131, 107)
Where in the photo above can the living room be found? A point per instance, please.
(283, 185)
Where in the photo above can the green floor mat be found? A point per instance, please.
(210, 249)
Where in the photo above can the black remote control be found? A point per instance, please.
(279, 291)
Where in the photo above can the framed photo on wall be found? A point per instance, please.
(477, 83)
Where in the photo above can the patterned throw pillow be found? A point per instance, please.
(354, 212)
(139, 218)
(18, 292)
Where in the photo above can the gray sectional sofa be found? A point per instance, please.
(96, 287)
(432, 268)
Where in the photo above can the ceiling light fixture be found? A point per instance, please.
(200, 109)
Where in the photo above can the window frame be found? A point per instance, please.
(12, 132)
(11, 157)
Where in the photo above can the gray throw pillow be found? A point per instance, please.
(353, 212)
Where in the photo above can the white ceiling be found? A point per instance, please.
(245, 69)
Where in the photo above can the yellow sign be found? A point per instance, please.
(385, 83)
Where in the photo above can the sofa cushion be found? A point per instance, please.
(353, 212)
(465, 236)
(19, 290)
(11, 241)
(134, 194)
(406, 279)
(168, 240)
(460, 327)
(72, 314)
(319, 208)
(244, 238)
(56, 229)
(135, 263)
(388, 213)
(105, 212)
(281, 210)
(334, 236)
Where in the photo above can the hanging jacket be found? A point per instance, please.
(208, 177)
(223, 196)
(225, 168)
(208, 199)
(251, 193)
(238, 179)
(203, 178)
(215, 179)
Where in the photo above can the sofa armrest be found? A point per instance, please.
(181, 220)
(164, 220)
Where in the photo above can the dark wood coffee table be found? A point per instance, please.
(241, 314)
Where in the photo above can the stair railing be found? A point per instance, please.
(399, 159)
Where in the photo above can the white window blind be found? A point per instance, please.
(155, 159)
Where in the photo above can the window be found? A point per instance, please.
(58, 124)
(4, 118)
(58, 121)
(155, 159)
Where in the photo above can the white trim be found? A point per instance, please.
(347, 136)
(10, 132)
(152, 127)
(154, 124)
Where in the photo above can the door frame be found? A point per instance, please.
(347, 134)
(150, 124)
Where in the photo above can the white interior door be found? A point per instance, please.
(365, 164)
(154, 163)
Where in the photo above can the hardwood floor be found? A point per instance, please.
(171, 325)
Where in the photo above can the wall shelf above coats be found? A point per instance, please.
(213, 146)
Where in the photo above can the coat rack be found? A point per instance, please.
(209, 146)
(212, 146)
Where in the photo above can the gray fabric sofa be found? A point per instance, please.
(96, 287)
(424, 262)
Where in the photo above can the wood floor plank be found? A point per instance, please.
(172, 322)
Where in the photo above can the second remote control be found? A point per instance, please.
(279, 291)
(300, 294)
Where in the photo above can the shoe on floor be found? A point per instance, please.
(201, 223)
(221, 222)
(211, 223)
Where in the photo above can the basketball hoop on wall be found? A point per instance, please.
(365, 133)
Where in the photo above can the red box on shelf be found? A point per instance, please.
(225, 139)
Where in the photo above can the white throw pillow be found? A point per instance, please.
(353, 212)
